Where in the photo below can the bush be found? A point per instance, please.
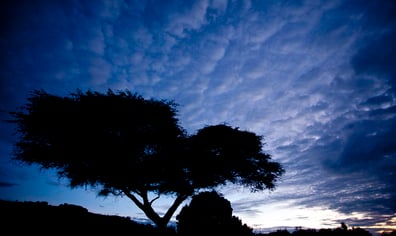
(210, 214)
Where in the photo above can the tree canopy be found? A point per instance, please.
(125, 145)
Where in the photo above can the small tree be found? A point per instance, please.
(210, 214)
(126, 145)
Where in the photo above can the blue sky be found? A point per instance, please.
(316, 79)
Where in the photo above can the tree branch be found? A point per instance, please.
(145, 206)
(151, 202)
(133, 198)
(179, 199)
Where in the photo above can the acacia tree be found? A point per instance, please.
(125, 145)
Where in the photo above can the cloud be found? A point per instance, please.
(99, 71)
(365, 129)
(190, 18)
(349, 169)
(377, 58)
(7, 184)
(348, 164)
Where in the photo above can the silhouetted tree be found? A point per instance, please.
(126, 145)
(280, 232)
(344, 226)
(210, 214)
(339, 231)
(392, 233)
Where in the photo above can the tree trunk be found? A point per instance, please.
(160, 222)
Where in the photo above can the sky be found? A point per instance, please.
(316, 79)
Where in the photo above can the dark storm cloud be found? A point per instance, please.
(352, 167)
(355, 150)
(367, 143)
(37, 38)
(55, 44)
(7, 184)
(375, 56)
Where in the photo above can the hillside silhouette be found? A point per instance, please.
(44, 219)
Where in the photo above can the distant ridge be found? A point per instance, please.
(44, 219)
(31, 218)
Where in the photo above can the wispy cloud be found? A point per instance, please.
(7, 184)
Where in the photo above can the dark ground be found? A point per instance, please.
(40, 218)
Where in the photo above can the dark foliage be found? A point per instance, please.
(210, 214)
(393, 233)
(223, 154)
(40, 218)
(117, 140)
(342, 231)
(123, 144)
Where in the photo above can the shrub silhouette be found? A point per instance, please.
(210, 214)
(340, 231)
